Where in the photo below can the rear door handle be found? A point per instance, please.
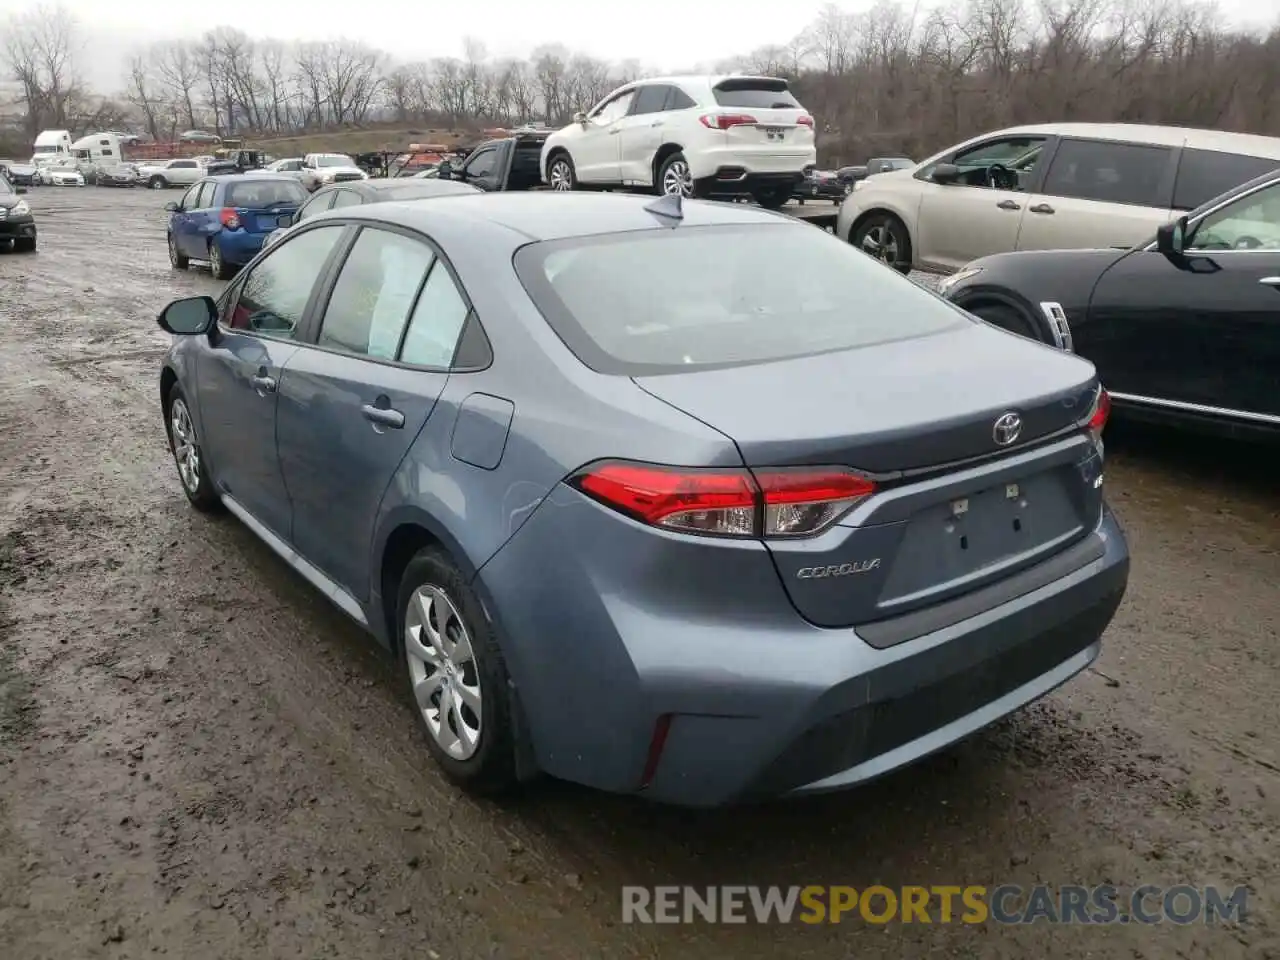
(1008, 205)
(263, 384)
(615, 131)
(383, 416)
(1271, 281)
(1041, 208)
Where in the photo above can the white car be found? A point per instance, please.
(688, 135)
(1060, 186)
(159, 174)
(61, 175)
(321, 169)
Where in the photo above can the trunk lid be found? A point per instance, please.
(955, 510)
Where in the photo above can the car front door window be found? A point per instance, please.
(345, 198)
(316, 205)
(188, 201)
(274, 296)
(651, 98)
(614, 110)
(374, 293)
(1007, 164)
(1249, 223)
(481, 165)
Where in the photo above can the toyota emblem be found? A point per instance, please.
(1006, 429)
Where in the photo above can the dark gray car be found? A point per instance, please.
(690, 500)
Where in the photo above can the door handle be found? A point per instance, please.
(381, 416)
(656, 123)
(1008, 205)
(1041, 208)
(1270, 281)
(263, 383)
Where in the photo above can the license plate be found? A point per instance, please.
(774, 133)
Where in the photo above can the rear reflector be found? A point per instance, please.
(723, 121)
(656, 745)
(769, 502)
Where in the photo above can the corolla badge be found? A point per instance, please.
(837, 569)
(1006, 429)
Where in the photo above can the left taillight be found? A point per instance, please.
(230, 219)
(773, 502)
(1096, 422)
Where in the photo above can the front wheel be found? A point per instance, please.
(157, 183)
(884, 237)
(674, 177)
(456, 674)
(178, 261)
(560, 174)
(193, 469)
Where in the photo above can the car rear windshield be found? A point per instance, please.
(760, 94)
(265, 193)
(667, 301)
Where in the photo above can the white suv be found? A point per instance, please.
(688, 135)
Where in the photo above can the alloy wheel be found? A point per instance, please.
(677, 179)
(881, 242)
(186, 450)
(561, 176)
(443, 671)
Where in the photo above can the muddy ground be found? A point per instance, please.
(200, 758)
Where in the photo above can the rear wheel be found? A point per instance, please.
(561, 174)
(157, 183)
(773, 198)
(674, 176)
(219, 267)
(456, 674)
(884, 237)
(178, 261)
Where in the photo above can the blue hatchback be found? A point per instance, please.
(225, 219)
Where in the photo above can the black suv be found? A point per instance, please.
(16, 223)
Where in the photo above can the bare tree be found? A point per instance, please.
(39, 50)
(177, 65)
(143, 91)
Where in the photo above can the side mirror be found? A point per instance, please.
(945, 173)
(580, 117)
(172, 206)
(189, 316)
(1171, 238)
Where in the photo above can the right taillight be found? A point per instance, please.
(774, 502)
(723, 121)
(1097, 419)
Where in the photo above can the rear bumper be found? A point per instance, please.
(15, 228)
(762, 160)
(619, 633)
(239, 246)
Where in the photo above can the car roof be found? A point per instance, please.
(546, 215)
(1164, 136)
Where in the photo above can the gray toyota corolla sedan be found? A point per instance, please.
(689, 500)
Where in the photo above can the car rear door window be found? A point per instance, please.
(1109, 172)
(1205, 174)
(679, 100)
(274, 296)
(438, 318)
(651, 98)
(761, 94)
(375, 291)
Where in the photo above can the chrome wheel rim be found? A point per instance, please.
(186, 451)
(561, 176)
(173, 250)
(215, 259)
(676, 179)
(157, 184)
(880, 242)
(443, 671)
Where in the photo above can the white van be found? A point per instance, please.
(51, 145)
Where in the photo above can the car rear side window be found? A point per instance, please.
(680, 100)
(1205, 174)
(375, 291)
(667, 301)
(274, 296)
(1109, 172)
(438, 318)
(757, 94)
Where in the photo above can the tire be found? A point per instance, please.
(675, 172)
(561, 175)
(178, 261)
(24, 245)
(475, 750)
(1007, 318)
(217, 266)
(774, 198)
(157, 183)
(179, 426)
(884, 237)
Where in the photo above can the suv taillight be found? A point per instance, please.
(1101, 412)
(806, 122)
(723, 121)
(230, 219)
(767, 502)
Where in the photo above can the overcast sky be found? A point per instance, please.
(662, 35)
